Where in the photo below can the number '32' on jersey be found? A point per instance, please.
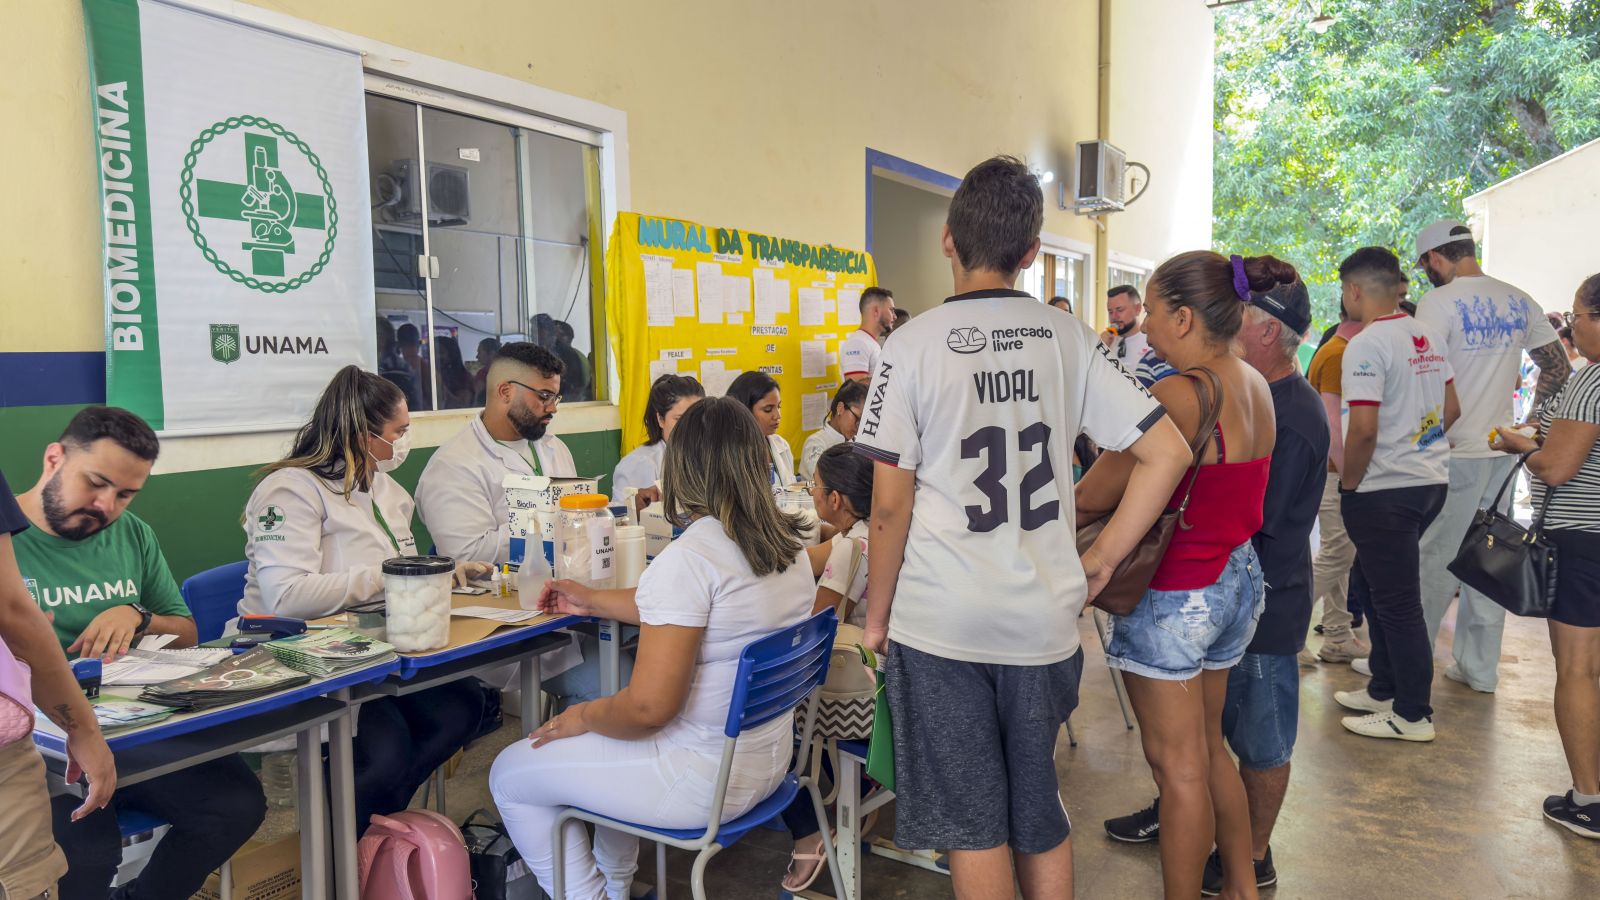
(983, 398)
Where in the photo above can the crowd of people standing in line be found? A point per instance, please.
(954, 495)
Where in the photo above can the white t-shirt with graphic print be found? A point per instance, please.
(1399, 366)
(984, 397)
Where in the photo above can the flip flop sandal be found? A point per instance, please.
(821, 860)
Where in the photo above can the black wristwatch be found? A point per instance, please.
(144, 618)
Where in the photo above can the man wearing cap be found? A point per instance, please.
(1487, 324)
(1262, 707)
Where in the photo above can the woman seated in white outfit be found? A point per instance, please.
(759, 394)
(842, 492)
(670, 396)
(844, 417)
(317, 529)
(650, 753)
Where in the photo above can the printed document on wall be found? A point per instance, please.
(813, 411)
(813, 359)
(683, 293)
(708, 276)
(810, 306)
(850, 305)
(658, 290)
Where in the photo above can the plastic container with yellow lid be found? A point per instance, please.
(586, 541)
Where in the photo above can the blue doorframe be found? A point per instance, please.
(933, 178)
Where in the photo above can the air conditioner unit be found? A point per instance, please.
(449, 197)
(1099, 179)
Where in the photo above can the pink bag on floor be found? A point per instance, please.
(415, 854)
(16, 698)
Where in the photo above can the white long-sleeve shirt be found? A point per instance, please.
(816, 443)
(639, 469)
(312, 552)
(461, 494)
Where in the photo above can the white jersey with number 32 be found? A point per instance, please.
(984, 397)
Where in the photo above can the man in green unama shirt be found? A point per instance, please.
(99, 570)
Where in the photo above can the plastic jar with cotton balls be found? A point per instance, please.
(417, 593)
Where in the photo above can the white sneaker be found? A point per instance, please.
(1454, 673)
(1390, 726)
(1362, 666)
(1361, 701)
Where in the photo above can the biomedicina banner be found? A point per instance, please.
(237, 244)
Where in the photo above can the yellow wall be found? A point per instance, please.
(751, 114)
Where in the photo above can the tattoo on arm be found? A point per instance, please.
(61, 714)
(1554, 370)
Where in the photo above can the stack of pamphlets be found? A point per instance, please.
(142, 667)
(246, 676)
(115, 713)
(330, 651)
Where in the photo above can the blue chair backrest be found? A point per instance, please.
(778, 671)
(213, 597)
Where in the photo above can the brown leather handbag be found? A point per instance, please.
(1132, 576)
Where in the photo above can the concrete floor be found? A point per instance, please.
(1458, 818)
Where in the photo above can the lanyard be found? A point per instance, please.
(533, 456)
(378, 514)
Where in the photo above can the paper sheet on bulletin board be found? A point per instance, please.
(714, 302)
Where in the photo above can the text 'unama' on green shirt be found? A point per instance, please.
(78, 580)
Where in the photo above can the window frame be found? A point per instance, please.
(1059, 246)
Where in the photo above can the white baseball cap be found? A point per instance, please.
(1444, 231)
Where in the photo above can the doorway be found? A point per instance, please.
(906, 209)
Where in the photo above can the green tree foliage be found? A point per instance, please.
(1365, 134)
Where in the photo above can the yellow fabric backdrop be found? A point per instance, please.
(661, 270)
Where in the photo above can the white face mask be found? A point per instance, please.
(399, 448)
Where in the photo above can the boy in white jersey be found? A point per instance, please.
(860, 350)
(1398, 384)
(971, 417)
(1485, 324)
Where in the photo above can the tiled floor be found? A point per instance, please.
(1458, 818)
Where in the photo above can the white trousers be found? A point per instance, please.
(649, 782)
(1330, 570)
(1480, 622)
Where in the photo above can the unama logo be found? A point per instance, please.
(967, 340)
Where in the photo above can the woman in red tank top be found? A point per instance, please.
(1197, 618)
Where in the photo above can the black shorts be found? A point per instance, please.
(974, 751)
(1577, 577)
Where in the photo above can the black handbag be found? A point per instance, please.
(491, 854)
(1511, 565)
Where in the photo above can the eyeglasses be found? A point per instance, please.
(1570, 317)
(548, 398)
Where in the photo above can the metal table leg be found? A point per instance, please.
(848, 848)
(341, 774)
(528, 683)
(313, 816)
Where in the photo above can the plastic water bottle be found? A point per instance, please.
(279, 778)
(531, 576)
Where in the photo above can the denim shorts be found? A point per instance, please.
(1172, 635)
(1261, 715)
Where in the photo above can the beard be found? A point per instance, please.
(528, 425)
(59, 518)
(1434, 278)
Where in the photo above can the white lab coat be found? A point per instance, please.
(312, 552)
(815, 444)
(639, 469)
(462, 500)
(782, 458)
(461, 496)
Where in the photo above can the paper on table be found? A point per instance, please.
(708, 276)
(813, 359)
(658, 290)
(499, 615)
(156, 641)
(813, 411)
(683, 293)
(811, 306)
(849, 306)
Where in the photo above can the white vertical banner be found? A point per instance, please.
(238, 237)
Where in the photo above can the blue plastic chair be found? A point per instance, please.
(776, 674)
(213, 598)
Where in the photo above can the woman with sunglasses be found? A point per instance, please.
(1565, 457)
(844, 417)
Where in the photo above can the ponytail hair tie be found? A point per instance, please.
(1241, 282)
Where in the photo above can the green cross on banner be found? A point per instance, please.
(266, 201)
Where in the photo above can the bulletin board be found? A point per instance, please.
(712, 302)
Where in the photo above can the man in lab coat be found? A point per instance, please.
(460, 495)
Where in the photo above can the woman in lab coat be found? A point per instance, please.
(844, 417)
(759, 394)
(641, 469)
(318, 527)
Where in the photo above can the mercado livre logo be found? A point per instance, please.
(227, 344)
(239, 201)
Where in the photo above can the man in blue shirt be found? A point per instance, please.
(1263, 702)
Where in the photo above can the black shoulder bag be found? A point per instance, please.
(1511, 565)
